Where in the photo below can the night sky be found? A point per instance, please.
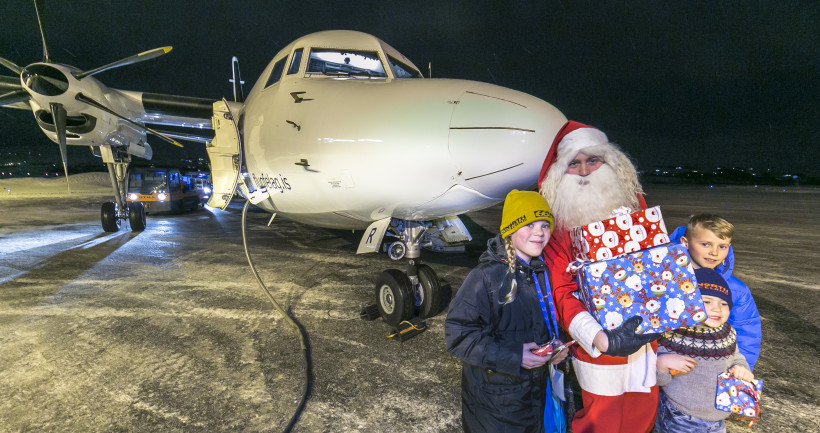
(696, 83)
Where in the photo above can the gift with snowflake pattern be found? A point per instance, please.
(619, 235)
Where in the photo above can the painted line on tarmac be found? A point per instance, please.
(4, 280)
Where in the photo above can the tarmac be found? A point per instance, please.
(167, 329)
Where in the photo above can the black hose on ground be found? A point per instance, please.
(300, 330)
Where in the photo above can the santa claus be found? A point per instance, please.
(585, 178)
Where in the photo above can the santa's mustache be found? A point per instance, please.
(604, 179)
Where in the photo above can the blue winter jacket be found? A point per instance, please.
(744, 316)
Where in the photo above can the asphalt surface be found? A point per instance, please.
(168, 330)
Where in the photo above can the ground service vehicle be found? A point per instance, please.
(163, 190)
(200, 181)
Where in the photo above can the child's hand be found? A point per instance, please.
(530, 360)
(560, 356)
(742, 373)
(676, 364)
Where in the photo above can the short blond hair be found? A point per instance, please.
(714, 223)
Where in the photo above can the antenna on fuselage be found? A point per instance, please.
(236, 81)
(429, 69)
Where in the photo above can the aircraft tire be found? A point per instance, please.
(108, 217)
(431, 302)
(394, 296)
(136, 216)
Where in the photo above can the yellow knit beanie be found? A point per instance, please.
(522, 208)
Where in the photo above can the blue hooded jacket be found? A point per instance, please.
(744, 316)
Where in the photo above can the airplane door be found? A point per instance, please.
(225, 154)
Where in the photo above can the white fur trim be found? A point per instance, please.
(651, 371)
(637, 375)
(579, 139)
(583, 329)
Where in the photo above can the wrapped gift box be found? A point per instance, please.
(619, 235)
(657, 284)
(738, 397)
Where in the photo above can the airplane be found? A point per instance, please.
(340, 131)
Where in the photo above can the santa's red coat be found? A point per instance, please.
(611, 402)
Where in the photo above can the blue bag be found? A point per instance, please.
(554, 420)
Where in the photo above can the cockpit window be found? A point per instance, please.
(276, 74)
(345, 63)
(400, 70)
(295, 61)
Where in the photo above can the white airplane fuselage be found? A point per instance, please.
(340, 131)
(344, 152)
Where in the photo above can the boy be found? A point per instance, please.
(709, 241)
(690, 359)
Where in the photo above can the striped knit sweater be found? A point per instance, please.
(715, 350)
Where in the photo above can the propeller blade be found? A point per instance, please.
(141, 57)
(9, 83)
(38, 5)
(59, 115)
(11, 65)
(14, 97)
(82, 98)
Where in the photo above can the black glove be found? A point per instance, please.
(623, 341)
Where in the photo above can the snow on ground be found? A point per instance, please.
(82, 184)
(166, 330)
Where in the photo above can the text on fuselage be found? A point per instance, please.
(271, 182)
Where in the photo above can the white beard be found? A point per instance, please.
(581, 200)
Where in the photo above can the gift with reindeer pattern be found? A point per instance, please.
(739, 397)
(657, 284)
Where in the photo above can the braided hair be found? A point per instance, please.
(511, 265)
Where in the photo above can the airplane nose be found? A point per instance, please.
(499, 138)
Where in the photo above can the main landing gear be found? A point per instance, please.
(113, 213)
(401, 295)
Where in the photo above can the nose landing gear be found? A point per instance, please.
(400, 295)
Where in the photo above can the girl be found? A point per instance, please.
(502, 312)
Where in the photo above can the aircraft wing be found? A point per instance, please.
(172, 110)
(179, 117)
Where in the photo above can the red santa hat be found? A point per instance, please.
(571, 139)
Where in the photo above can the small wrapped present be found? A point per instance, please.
(657, 284)
(619, 235)
(739, 397)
